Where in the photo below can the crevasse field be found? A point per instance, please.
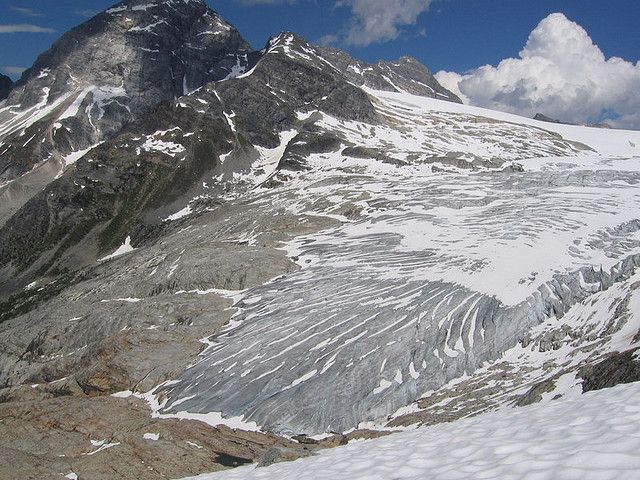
(440, 272)
(214, 256)
(430, 260)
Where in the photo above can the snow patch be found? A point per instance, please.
(122, 250)
(589, 437)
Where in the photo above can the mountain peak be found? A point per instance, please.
(112, 69)
(408, 60)
(287, 40)
(149, 27)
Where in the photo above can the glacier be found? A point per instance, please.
(438, 273)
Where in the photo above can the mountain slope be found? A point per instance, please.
(288, 78)
(102, 75)
(241, 114)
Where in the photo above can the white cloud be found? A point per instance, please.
(561, 73)
(18, 28)
(328, 40)
(376, 21)
(451, 81)
(29, 12)
(12, 70)
(88, 13)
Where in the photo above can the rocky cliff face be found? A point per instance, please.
(6, 84)
(289, 77)
(104, 74)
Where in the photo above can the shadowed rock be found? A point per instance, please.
(6, 84)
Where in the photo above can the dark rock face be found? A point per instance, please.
(290, 76)
(112, 188)
(112, 69)
(307, 142)
(6, 84)
(543, 118)
(154, 50)
(616, 369)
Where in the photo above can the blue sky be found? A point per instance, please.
(451, 35)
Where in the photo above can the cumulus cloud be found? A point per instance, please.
(560, 72)
(451, 81)
(376, 21)
(18, 28)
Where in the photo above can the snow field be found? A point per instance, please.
(593, 437)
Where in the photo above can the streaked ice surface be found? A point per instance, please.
(439, 273)
(442, 275)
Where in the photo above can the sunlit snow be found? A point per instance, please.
(594, 436)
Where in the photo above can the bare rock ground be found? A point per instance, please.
(112, 438)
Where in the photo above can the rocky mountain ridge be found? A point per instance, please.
(405, 74)
(543, 118)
